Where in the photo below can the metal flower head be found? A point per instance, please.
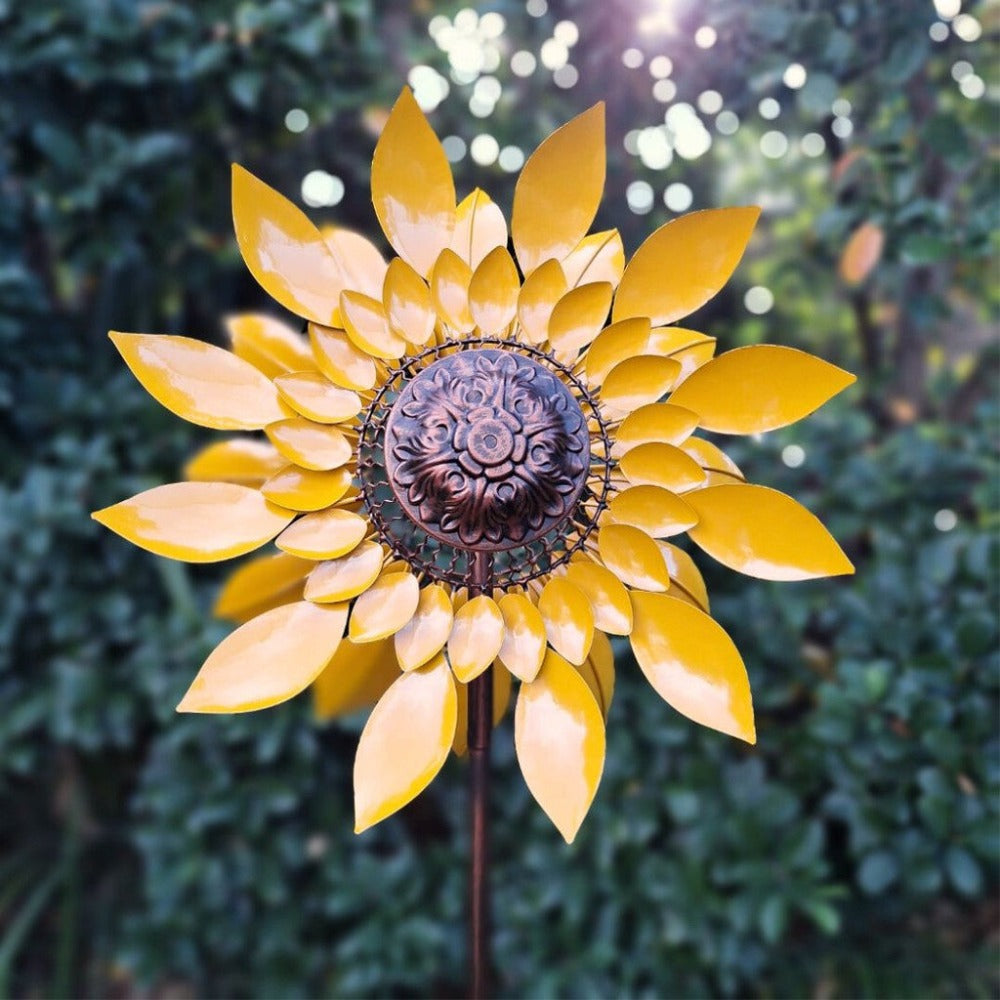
(466, 413)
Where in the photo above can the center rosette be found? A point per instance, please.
(487, 449)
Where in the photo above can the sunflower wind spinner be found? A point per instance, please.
(477, 460)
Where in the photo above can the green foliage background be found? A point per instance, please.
(851, 853)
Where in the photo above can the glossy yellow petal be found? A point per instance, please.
(686, 581)
(407, 303)
(541, 290)
(260, 584)
(683, 264)
(310, 445)
(340, 361)
(501, 692)
(559, 739)
(633, 557)
(479, 227)
(524, 640)
(671, 341)
(367, 326)
(268, 344)
(312, 395)
(383, 609)
(763, 533)
(305, 490)
(361, 266)
(326, 534)
(268, 660)
(692, 357)
(638, 381)
(476, 638)
(427, 631)
(628, 338)
(606, 593)
(598, 257)
(450, 291)
(404, 743)
(578, 317)
(207, 385)
(598, 670)
(238, 460)
(412, 189)
(284, 250)
(657, 511)
(759, 388)
(560, 187)
(196, 522)
(657, 422)
(661, 465)
(692, 664)
(347, 576)
(568, 618)
(501, 702)
(493, 292)
(713, 460)
(355, 678)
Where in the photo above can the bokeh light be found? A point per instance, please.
(793, 455)
(705, 37)
(321, 189)
(678, 197)
(774, 144)
(639, 195)
(484, 150)
(795, 76)
(758, 300)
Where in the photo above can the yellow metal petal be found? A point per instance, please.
(412, 188)
(703, 249)
(628, 338)
(383, 609)
(476, 638)
(479, 227)
(606, 593)
(238, 460)
(523, 646)
(427, 631)
(692, 357)
(196, 522)
(578, 317)
(268, 344)
(314, 396)
(355, 678)
(763, 533)
(560, 187)
(202, 383)
(686, 581)
(598, 257)
(361, 266)
(638, 381)
(713, 460)
(450, 291)
(366, 325)
(568, 618)
(305, 490)
(559, 739)
(655, 510)
(260, 584)
(493, 292)
(326, 534)
(407, 303)
(284, 250)
(657, 422)
(404, 743)
(268, 660)
(347, 576)
(339, 360)
(633, 557)
(661, 465)
(501, 692)
(310, 445)
(692, 664)
(541, 290)
(598, 670)
(759, 388)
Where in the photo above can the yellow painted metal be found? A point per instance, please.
(479, 227)
(355, 678)
(493, 291)
(450, 291)
(638, 382)
(312, 395)
(268, 344)
(347, 576)
(578, 317)
(404, 743)
(359, 262)
(385, 607)
(310, 445)
(657, 422)
(367, 326)
(703, 249)
(597, 257)
(560, 744)
(327, 534)
(713, 460)
(305, 490)
(238, 460)
(756, 389)
(339, 360)
(196, 522)
(268, 660)
(202, 383)
(598, 670)
(501, 702)
(541, 290)
(284, 251)
(407, 303)
(568, 618)
(686, 581)
(523, 646)
(427, 631)
(260, 584)
(606, 593)
(559, 190)
(633, 557)
(657, 511)
(476, 637)
(412, 189)
(663, 465)
(764, 533)
(692, 664)
(625, 339)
